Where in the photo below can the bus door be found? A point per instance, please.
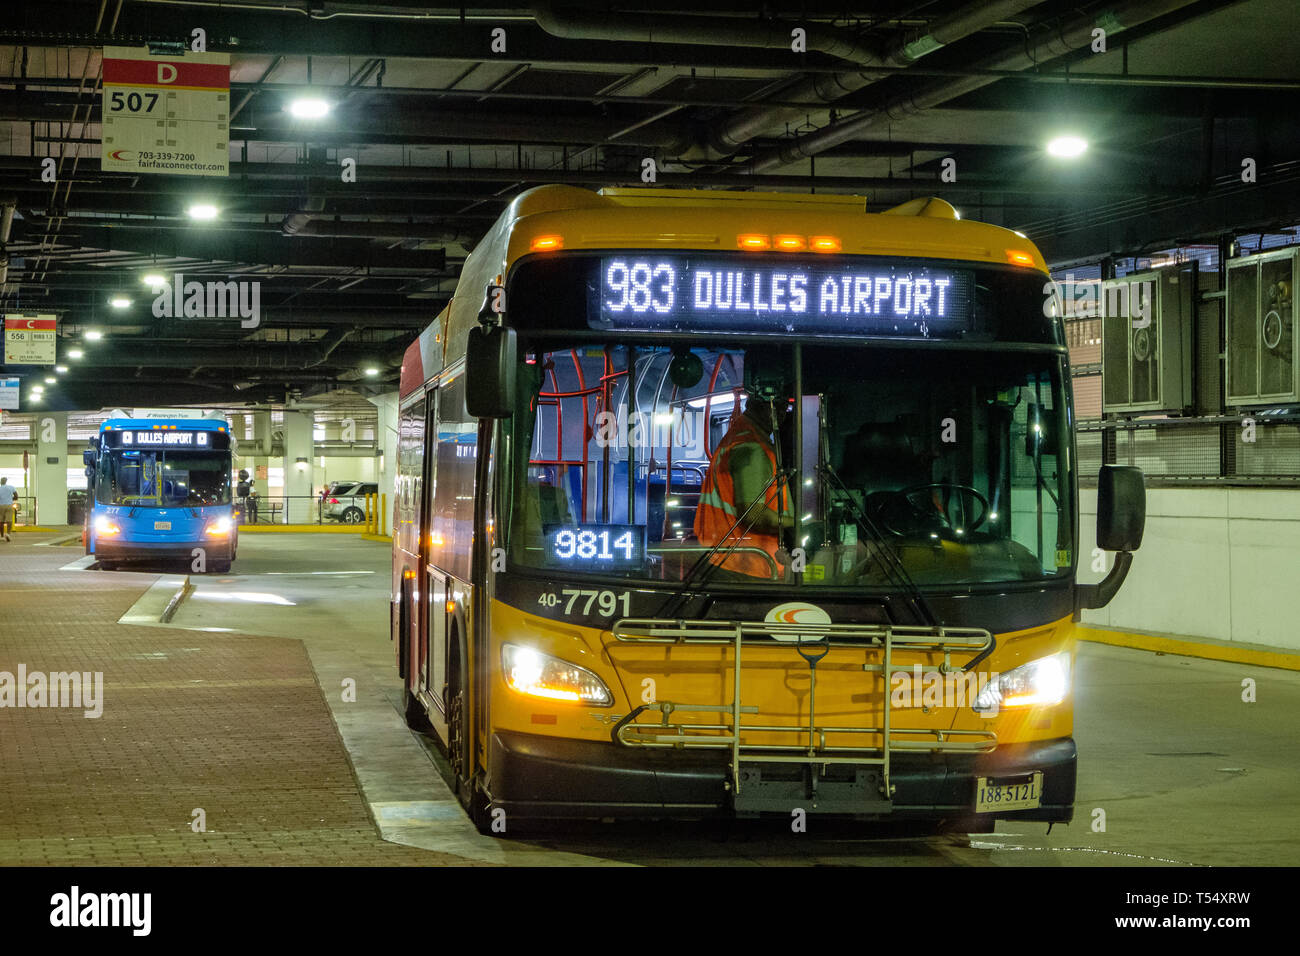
(432, 650)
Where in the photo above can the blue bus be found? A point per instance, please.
(159, 489)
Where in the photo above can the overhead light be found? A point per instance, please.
(94, 335)
(120, 302)
(1067, 147)
(153, 280)
(309, 107)
(50, 380)
(34, 397)
(372, 371)
(38, 387)
(75, 353)
(202, 211)
(60, 369)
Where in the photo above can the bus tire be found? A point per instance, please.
(219, 567)
(107, 565)
(458, 744)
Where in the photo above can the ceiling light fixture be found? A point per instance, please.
(1067, 147)
(309, 107)
(94, 335)
(120, 302)
(202, 211)
(75, 353)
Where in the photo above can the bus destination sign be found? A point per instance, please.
(867, 297)
(166, 438)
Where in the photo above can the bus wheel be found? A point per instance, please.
(107, 566)
(458, 752)
(219, 567)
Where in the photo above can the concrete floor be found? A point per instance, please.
(1185, 771)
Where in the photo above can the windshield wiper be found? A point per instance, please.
(893, 566)
(707, 566)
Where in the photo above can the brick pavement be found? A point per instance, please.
(233, 724)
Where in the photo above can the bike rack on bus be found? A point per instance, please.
(811, 642)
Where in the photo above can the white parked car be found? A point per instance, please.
(346, 501)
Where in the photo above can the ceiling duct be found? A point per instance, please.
(826, 88)
(578, 24)
(1069, 37)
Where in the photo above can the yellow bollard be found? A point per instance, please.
(383, 509)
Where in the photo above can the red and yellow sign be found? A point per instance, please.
(166, 114)
(30, 339)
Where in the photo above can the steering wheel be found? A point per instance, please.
(967, 518)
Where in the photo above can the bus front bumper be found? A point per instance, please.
(535, 777)
(109, 550)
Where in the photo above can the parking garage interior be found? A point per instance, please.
(351, 159)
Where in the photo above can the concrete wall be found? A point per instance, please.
(1221, 563)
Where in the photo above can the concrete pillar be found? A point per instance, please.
(297, 467)
(386, 464)
(50, 468)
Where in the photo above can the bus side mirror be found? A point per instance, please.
(1121, 517)
(490, 360)
(1121, 508)
(88, 456)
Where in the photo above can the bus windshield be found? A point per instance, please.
(951, 465)
(162, 478)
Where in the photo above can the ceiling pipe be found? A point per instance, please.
(826, 88)
(7, 209)
(1056, 43)
(578, 24)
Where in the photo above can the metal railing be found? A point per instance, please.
(1246, 449)
(807, 743)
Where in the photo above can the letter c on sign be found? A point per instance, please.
(166, 73)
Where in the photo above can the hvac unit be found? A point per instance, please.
(1261, 329)
(1146, 341)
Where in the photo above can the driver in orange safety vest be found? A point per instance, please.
(743, 465)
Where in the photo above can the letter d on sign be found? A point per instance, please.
(166, 73)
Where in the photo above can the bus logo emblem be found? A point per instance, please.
(796, 612)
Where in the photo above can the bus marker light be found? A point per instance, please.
(546, 243)
(1018, 258)
(824, 243)
(790, 243)
(753, 241)
(451, 606)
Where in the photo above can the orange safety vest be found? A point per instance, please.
(718, 509)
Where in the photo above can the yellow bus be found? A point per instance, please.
(899, 646)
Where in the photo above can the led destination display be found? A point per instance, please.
(643, 292)
(167, 438)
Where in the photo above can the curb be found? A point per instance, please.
(1185, 648)
(300, 528)
(177, 600)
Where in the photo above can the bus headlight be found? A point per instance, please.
(220, 527)
(531, 672)
(106, 526)
(1041, 683)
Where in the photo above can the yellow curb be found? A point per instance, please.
(300, 528)
(377, 537)
(1186, 648)
(38, 528)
